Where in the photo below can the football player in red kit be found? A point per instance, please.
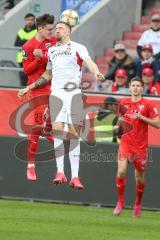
(136, 113)
(34, 63)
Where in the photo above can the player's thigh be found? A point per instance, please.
(75, 108)
(122, 167)
(74, 130)
(57, 108)
(57, 128)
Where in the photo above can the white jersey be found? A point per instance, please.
(151, 37)
(65, 61)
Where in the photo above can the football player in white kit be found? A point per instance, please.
(66, 105)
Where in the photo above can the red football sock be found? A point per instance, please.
(33, 141)
(139, 192)
(120, 184)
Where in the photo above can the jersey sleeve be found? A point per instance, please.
(152, 110)
(30, 63)
(122, 109)
(49, 63)
(83, 52)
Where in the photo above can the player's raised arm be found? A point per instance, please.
(94, 69)
(46, 76)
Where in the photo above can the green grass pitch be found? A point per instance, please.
(21, 220)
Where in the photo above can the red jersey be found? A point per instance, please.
(34, 67)
(135, 130)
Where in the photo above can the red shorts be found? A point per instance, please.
(38, 108)
(138, 157)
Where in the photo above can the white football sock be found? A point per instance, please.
(59, 154)
(74, 155)
(30, 165)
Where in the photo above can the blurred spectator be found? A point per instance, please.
(121, 82)
(151, 87)
(23, 35)
(147, 60)
(151, 36)
(105, 121)
(121, 60)
(9, 5)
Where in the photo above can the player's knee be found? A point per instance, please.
(121, 173)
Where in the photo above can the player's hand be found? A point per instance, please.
(99, 76)
(139, 115)
(23, 92)
(38, 53)
(116, 128)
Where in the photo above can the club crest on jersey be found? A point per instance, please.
(68, 49)
(141, 107)
(47, 45)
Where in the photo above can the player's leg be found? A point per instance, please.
(74, 155)
(33, 141)
(75, 119)
(120, 184)
(58, 119)
(58, 129)
(140, 164)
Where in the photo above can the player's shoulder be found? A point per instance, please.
(77, 45)
(52, 48)
(124, 101)
(53, 40)
(147, 102)
(29, 44)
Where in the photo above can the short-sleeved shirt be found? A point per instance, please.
(135, 130)
(151, 37)
(65, 61)
(34, 67)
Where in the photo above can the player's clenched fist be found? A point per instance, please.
(99, 76)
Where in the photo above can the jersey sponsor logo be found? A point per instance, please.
(24, 54)
(61, 54)
(47, 45)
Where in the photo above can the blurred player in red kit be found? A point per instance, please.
(136, 113)
(34, 63)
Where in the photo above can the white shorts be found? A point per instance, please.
(66, 106)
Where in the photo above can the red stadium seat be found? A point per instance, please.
(129, 43)
(101, 60)
(155, 11)
(145, 20)
(132, 35)
(140, 27)
(109, 52)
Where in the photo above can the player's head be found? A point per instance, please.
(136, 86)
(44, 25)
(63, 31)
(29, 20)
